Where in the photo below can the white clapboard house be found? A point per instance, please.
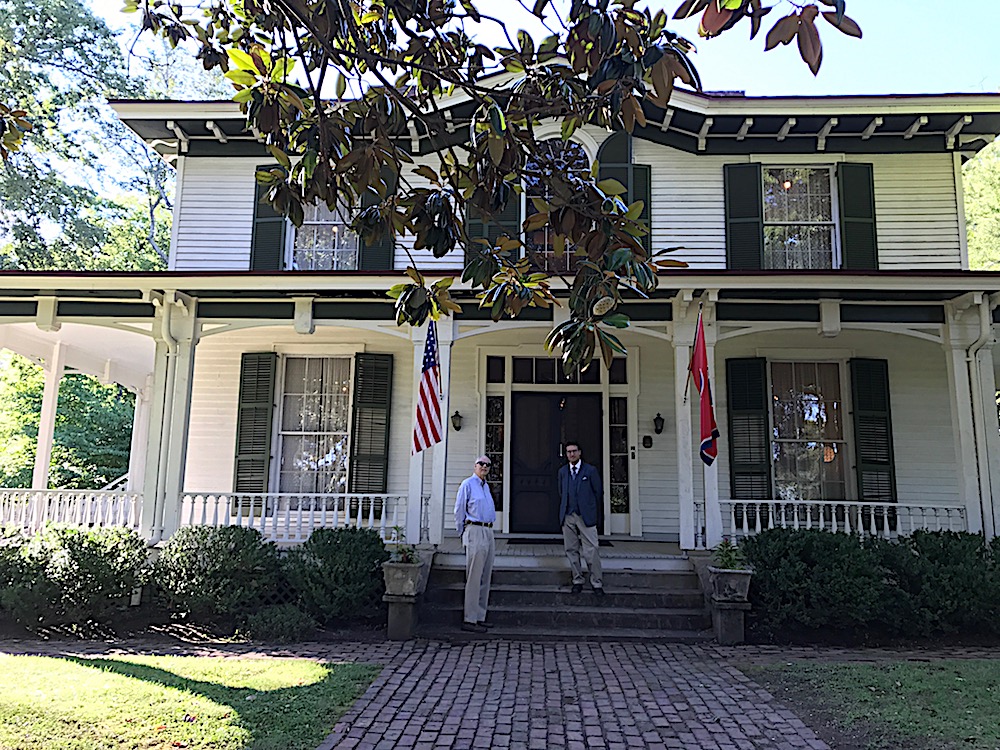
(852, 350)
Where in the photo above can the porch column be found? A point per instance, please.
(683, 335)
(713, 510)
(990, 440)
(155, 442)
(184, 326)
(958, 336)
(416, 481)
(47, 419)
(439, 479)
(140, 438)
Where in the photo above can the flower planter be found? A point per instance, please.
(730, 585)
(402, 579)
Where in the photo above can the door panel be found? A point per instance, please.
(541, 424)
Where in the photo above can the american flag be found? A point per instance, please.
(427, 427)
(699, 372)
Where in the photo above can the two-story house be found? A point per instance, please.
(852, 350)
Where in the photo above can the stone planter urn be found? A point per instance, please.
(729, 585)
(402, 579)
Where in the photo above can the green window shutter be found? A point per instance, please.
(856, 189)
(744, 188)
(749, 444)
(253, 422)
(505, 221)
(370, 423)
(873, 450)
(267, 244)
(378, 256)
(615, 158)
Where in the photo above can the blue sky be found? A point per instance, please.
(909, 47)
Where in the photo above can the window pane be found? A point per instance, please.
(325, 241)
(808, 471)
(545, 370)
(796, 247)
(554, 156)
(495, 370)
(523, 370)
(797, 195)
(591, 375)
(618, 374)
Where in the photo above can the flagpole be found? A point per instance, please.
(687, 383)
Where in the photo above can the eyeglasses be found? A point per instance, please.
(483, 463)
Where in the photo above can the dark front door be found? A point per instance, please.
(541, 425)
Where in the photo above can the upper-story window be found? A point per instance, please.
(325, 241)
(616, 161)
(813, 217)
(799, 226)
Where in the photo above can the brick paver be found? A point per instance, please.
(518, 695)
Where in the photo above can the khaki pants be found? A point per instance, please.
(478, 541)
(575, 535)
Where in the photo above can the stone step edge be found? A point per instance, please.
(514, 588)
(450, 560)
(436, 632)
(535, 609)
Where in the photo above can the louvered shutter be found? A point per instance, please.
(253, 423)
(859, 245)
(744, 189)
(505, 221)
(378, 256)
(749, 445)
(267, 244)
(370, 423)
(873, 450)
(615, 158)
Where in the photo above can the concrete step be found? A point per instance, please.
(559, 562)
(451, 594)
(670, 580)
(546, 618)
(452, 633)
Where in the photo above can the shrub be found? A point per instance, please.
(279, 623)
(337, 574)
(837, 586)
(218, 574)
(67, 576)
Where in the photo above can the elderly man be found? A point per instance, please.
(474, 518)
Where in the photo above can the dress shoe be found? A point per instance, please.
(599, 591)
(577, 588)
(485, 624)
(473, 627)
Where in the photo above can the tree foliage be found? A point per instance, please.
(981, 176)
(395, 65)
(93, 427)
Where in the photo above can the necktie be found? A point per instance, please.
(575, 469)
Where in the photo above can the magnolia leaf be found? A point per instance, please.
(783, 32)
(611, 186)
(846, 25)
(810, 47)
(242, 60)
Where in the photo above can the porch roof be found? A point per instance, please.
(48, 299)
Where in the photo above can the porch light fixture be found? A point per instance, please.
(456, 421)
(658, 423)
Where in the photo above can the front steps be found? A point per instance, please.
(530, 598)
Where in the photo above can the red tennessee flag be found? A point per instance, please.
(699, 373)
(427, 426)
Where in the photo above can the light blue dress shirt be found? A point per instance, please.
(474, 503)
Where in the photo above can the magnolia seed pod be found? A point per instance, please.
(603, 306)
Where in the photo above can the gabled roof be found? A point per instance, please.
(720, 123)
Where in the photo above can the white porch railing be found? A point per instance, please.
(30, 510)
(887, 520)
(291, 518)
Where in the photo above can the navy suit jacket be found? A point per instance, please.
(589, 493)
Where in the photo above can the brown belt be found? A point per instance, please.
(479, 523)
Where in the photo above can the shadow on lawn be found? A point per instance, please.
(317, 705)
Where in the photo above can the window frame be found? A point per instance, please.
(851, 490)
(292, 231)
(277, 432)
(837, 260)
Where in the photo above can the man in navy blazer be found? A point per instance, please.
(581, 493)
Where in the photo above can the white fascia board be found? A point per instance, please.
(169, 110)
(835, 105)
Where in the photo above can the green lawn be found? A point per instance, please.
(152, 702)
(938, 704)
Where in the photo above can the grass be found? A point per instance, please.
(940, 704)
(153, 702)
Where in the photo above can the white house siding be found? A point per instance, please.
(916, 209)
(215, 397)
(215, 214)
(919, 395)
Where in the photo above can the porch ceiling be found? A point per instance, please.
(108, 354)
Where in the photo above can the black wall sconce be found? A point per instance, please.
(456, 421)
(658, 423)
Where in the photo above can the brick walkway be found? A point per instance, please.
(507, 694)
